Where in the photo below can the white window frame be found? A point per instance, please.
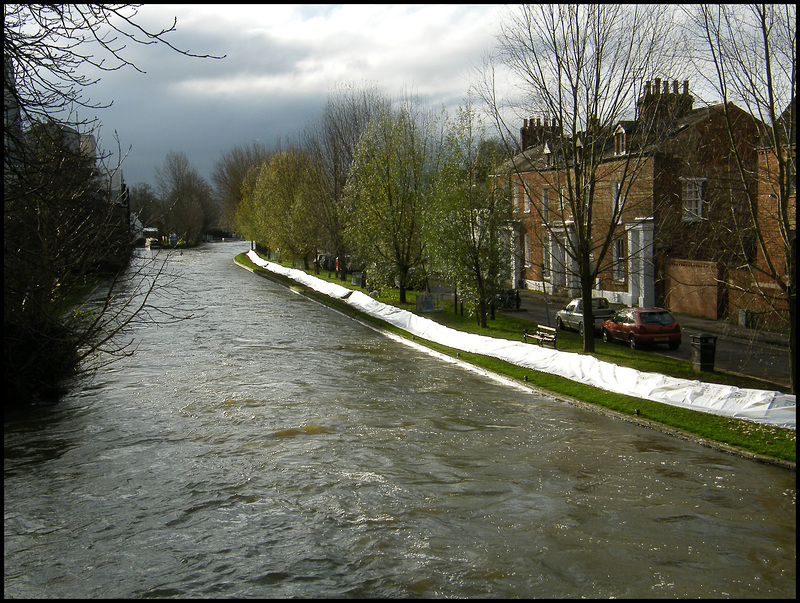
(528, 202)
(692, 197)
(620, 141)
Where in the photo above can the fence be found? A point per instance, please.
(429, 302)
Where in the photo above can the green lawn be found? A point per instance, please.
(745, 436)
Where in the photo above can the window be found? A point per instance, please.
(615, 207)
(620, 142)
(619, 259)
(527, 244)
(546, 259)
(516, 197)
(528, 203)
(693, 199)
(545, 204)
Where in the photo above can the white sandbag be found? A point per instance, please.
(760, 406)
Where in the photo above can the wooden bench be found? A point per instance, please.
(543, 336)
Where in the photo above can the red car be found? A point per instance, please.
(643, 326)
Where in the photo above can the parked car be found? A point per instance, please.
(571, 317)
(643, 326)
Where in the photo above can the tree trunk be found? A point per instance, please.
(588, 316)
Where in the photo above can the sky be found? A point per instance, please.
(281, 62)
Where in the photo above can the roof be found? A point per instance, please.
(535, 158)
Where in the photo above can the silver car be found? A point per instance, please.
(571, 317)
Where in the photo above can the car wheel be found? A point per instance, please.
(606, 337)
(559, 324)
(580, 329)
(634, 343)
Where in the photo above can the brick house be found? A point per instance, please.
(755, 293)
(665, 184)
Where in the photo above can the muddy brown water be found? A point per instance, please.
(271, 447)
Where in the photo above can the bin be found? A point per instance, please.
(704, 348)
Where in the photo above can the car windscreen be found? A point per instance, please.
(656, 318)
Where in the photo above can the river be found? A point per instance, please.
(272, 447)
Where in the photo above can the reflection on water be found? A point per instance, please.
(274, 448)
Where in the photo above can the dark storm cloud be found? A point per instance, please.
(281, 62)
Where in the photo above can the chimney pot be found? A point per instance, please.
(675, 87)
(686, 86)
(647, 87)
(657, 87)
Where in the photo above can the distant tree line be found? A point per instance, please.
(182, 204)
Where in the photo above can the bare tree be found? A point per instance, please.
(747, 54)
(65, 230)
(146, 205)
(189, 207)
(229, 174)
(580, 67)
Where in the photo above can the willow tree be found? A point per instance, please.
(229, 174)
(284, 190)
(580, 67)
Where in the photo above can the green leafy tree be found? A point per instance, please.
(391, 187)
(331, 141)
(229, 174)
(285, 193)
(467, 229)
(250, 216)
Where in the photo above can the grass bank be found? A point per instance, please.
(765, 443)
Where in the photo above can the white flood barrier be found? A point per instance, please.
(760, 406)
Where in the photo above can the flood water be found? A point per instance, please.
(271, 447)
